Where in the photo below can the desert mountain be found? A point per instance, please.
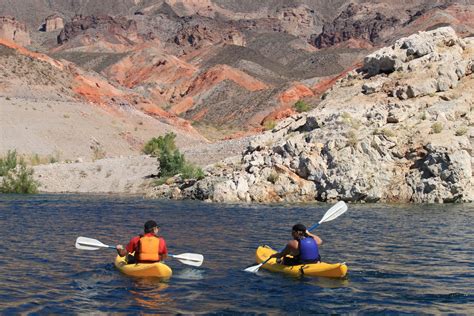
(225, 67)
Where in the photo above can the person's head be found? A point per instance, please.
(151, 227)
(298, 231)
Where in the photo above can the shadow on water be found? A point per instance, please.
(401, 258)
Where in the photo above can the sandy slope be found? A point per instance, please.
(73, 130)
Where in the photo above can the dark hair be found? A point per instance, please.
(300, 228)
(149, 225)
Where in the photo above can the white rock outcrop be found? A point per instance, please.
(397, 130)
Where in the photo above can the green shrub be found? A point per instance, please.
(17, 177)
(154, 146)
(301, 106)
(172, 162)
(8, 163)
(437, 127)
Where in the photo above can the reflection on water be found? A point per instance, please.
(401, 259)
(150, 293)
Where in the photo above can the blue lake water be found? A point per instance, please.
(401, 259)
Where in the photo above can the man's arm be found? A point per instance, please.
(289, 250)
(163, 250)
(318, 240)
(122, 252)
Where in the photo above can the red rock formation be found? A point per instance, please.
(12, 30)
(295, 93)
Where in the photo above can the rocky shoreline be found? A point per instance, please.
(399, 129)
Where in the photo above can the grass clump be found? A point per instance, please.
(17, 177)
(349, 120)
(352, 139)
(387, 132)
(172, 162)
(437, 127)
(269, 125)
(301, 106)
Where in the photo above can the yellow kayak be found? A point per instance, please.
(158, 269)
(331, 270)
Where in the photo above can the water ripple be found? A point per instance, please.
(403, 259)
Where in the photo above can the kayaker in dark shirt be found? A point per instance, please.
(303, 248)
(147, 248)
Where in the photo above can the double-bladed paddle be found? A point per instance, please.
(334, 212)
(192, 259)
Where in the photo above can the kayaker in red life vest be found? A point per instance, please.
(148, 248)
(303, 247)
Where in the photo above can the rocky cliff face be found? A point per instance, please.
(53, 22)
(356, 22)
(397, 129)
(12, 30)
(97, 29)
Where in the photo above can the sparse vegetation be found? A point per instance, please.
(437, 127)
(461, 131)
(98, 152)
(387, 132)
(273, 177)
(423, 116)
(269, 125)
(17, 177)
(349, 120)
(352, 138)
(301, 106)
(36, 159)
(172, 162)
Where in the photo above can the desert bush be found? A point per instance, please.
(172, 162)
(269, 125)
(437, 127)
(8, 162)
(301, 106)
(17, 177)
(352, 139)
(154, 146)
(461, 131)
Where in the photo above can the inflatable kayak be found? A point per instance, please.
(158, 269)
(331, 270)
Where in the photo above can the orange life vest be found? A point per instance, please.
(148, 249)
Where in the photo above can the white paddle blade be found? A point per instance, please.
(192, 259)
(334, 212)
(253, 269)
(85, 243)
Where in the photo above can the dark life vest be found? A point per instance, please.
(308, 248)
